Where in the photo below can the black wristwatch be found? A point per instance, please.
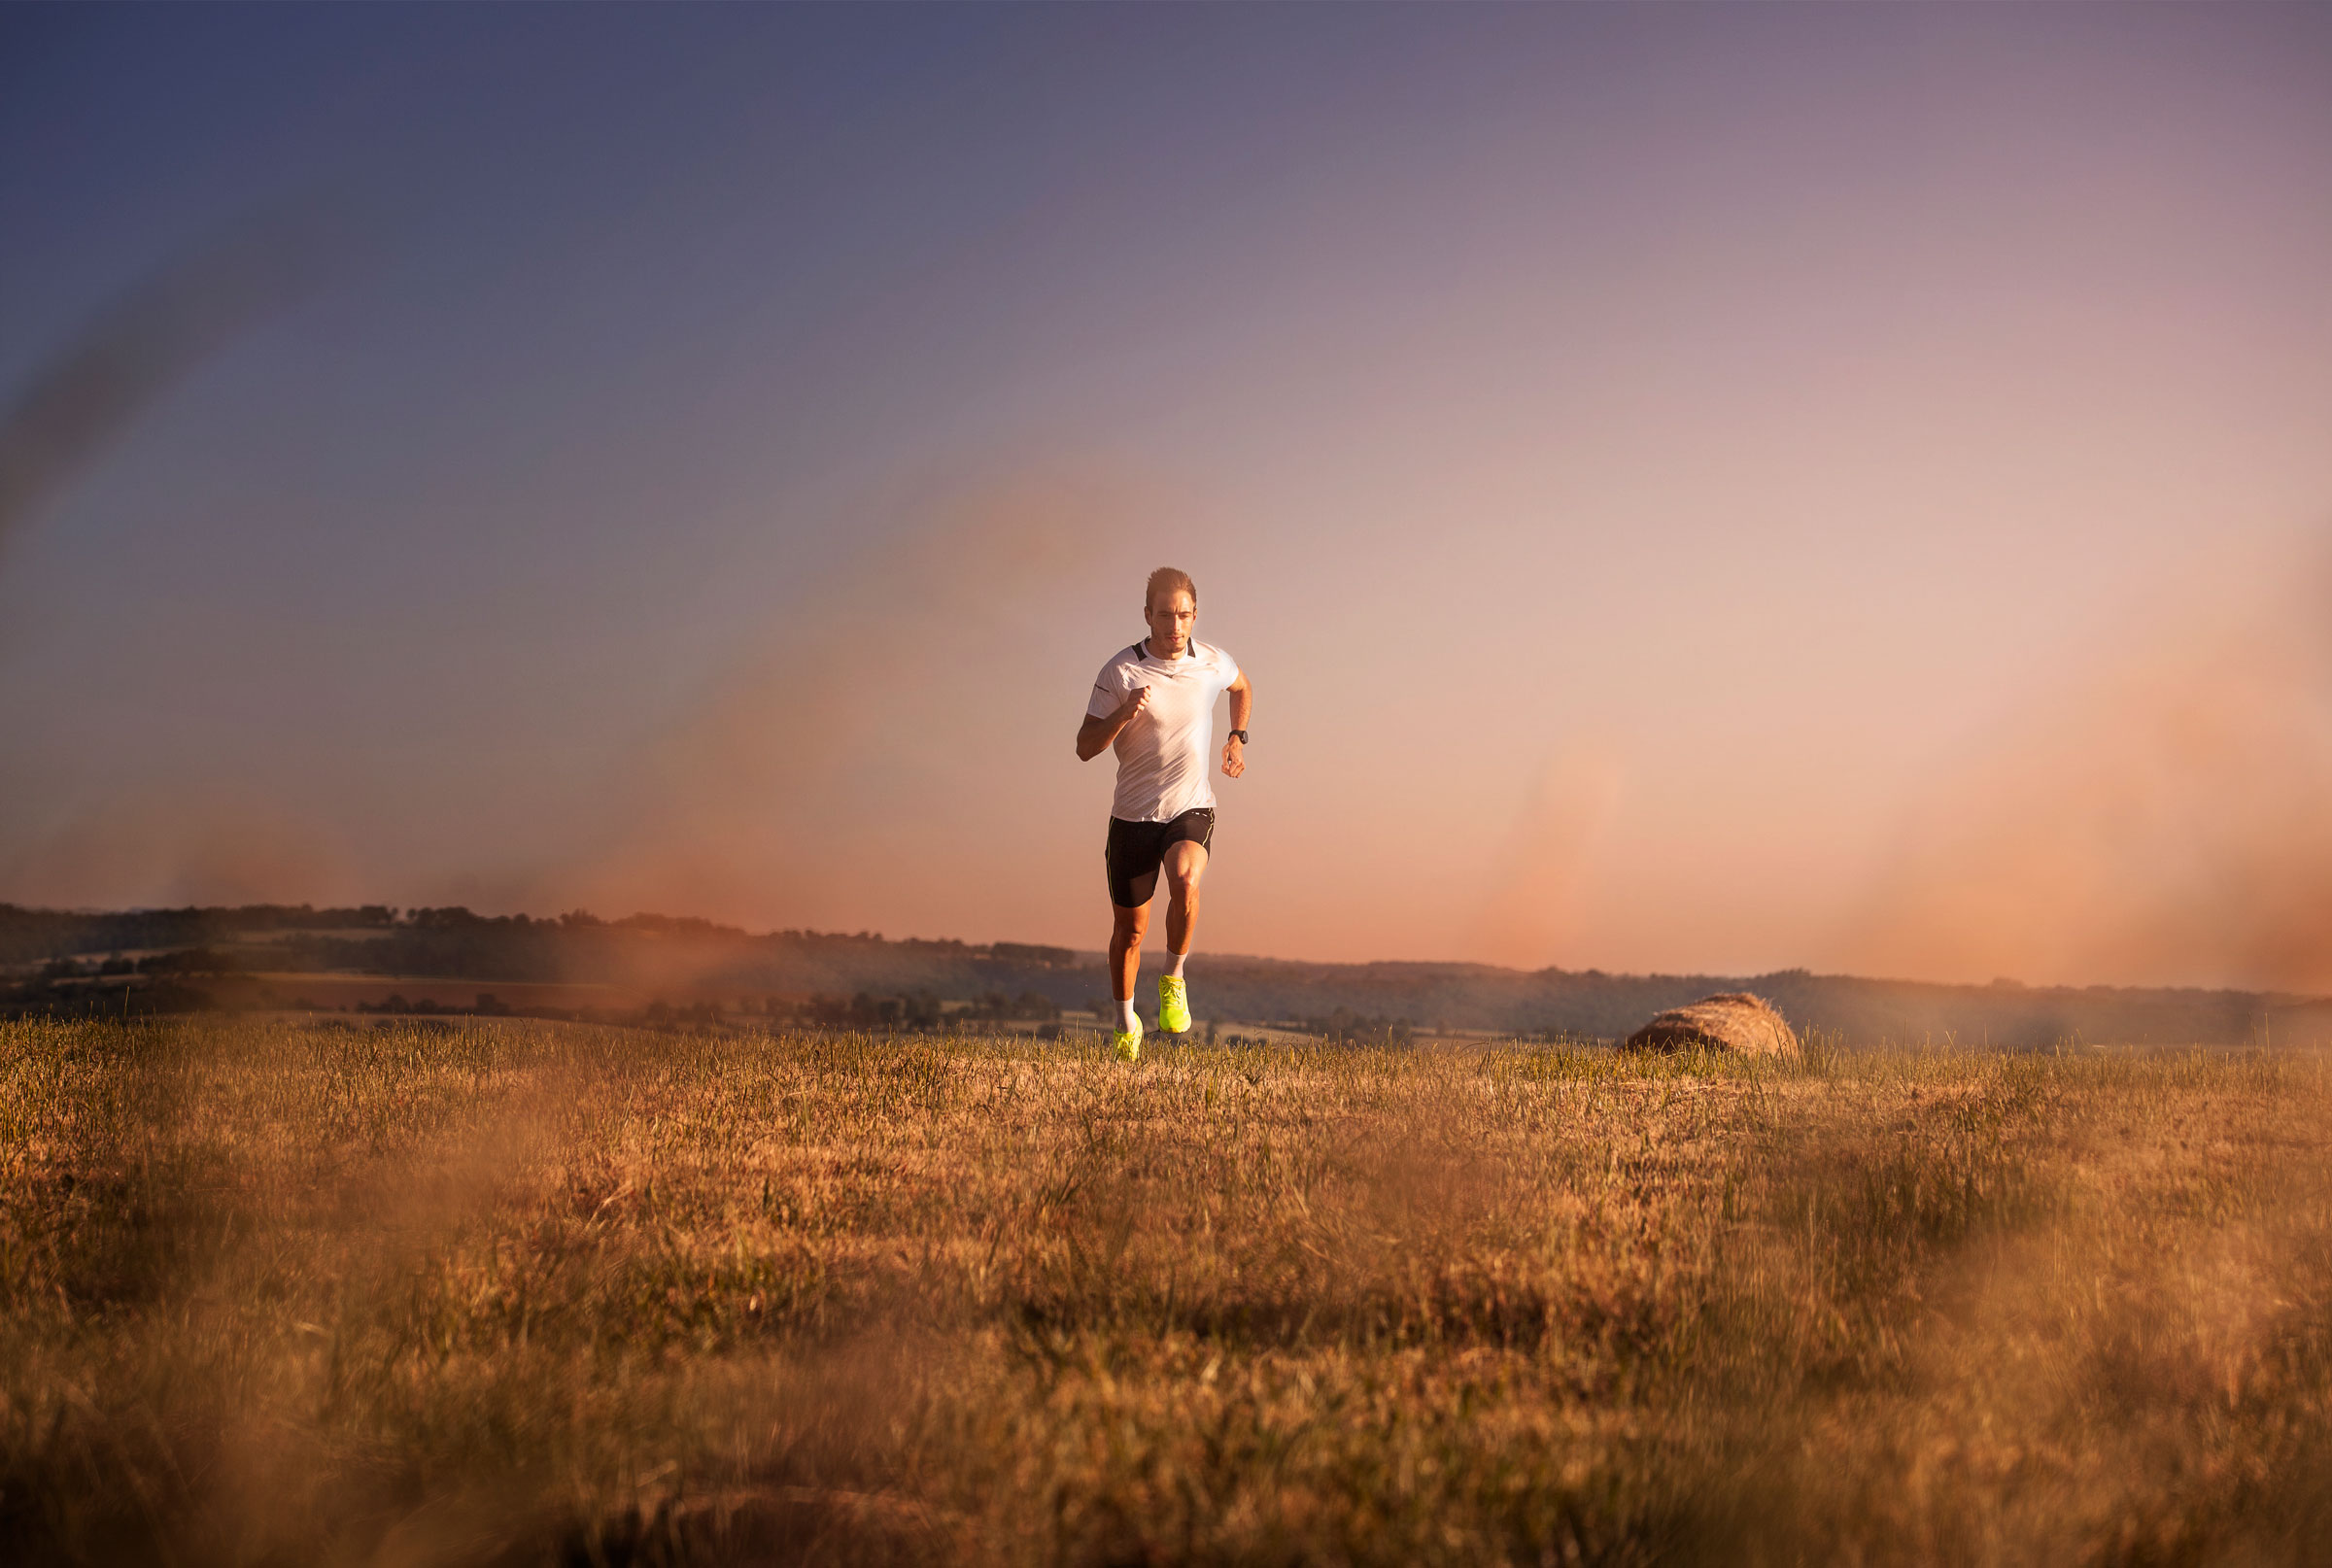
(1238, 736)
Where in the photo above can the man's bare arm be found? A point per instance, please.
(1242, 705)
(1097, 735)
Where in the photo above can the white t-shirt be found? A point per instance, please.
(1162, 755)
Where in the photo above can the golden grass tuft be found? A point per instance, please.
(522, 1293)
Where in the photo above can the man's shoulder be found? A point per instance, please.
(1217, 656)
(1126, 658)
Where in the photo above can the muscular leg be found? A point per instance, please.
(1125, 947)
(1186, 864)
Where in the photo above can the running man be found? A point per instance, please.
(1154, 705)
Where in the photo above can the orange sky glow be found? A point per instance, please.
(1694, 491)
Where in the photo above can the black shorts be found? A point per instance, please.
(1137, 850)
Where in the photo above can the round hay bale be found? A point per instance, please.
(1734, 1021)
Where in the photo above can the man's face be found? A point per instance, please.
(1170, 617)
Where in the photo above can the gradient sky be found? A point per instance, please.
(1675, 475)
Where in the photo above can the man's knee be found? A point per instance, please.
(1182, 887)
(1130, 924)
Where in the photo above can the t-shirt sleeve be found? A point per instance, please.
(1229, 673)
(1109, 690)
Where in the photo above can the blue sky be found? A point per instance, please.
(1540, 396)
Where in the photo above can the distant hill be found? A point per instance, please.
(175, 957)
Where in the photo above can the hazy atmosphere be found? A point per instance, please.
(1694, 489)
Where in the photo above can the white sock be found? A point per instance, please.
(1127, 1022)
(1177, 970)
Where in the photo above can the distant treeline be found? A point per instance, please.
(31, 936)
(1594, 1004)
(885, 979)
(457, 944)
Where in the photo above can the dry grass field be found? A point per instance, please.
(527, 1293)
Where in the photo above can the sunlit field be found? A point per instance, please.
(530, 1293)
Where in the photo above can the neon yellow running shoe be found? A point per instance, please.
(1173, 1005)
(1127, 1042)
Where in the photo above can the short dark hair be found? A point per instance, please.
(1169, 578)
